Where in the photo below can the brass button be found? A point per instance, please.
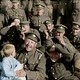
(55, 78)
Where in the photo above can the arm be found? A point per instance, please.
(7, 70)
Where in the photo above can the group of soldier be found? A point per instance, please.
(47, 43)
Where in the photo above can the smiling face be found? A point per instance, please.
(25, 28)
(30, 44)
(40, 11)
(75, 29)
(15, 5)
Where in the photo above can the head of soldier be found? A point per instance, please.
(9, 50)
(49, 24)
(47, 2)
(60, 31)
(6, 3)
(15, 4)
(75, 28)
(25, 27)
(31, 40)
(40, 8)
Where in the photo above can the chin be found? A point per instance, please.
(28, 49)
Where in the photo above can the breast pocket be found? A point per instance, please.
(32, 65)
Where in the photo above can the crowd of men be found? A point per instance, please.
(46, 36)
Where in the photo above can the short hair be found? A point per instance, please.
(8, 49)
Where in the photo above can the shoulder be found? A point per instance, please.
(40, 53)
(21, 10)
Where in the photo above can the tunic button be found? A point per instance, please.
(55, 78)
(51, 67)
(33, 63)
(25, 59)
(53, 73)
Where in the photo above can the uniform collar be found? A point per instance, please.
(31, 52)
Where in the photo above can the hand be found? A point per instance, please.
(46, 33)
(12, 24)
(20, 73)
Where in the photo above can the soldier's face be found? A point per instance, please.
(15, 5)
(40, 12)
(59, 35)
(50, 27)
(25, 28)
(30, 44)
(75, 31)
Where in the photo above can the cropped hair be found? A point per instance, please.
(8, 49)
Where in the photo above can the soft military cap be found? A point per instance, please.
(76, 23)
(49, 22)
(24, 23)
(60, 27)
(40, 5)
(14, 1)
(33, 36)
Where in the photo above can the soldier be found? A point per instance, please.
(39, 19)
(74, 36)
(49, 8)
(25, 28)
(64, 13)
(33, 59)
(31, 7)
(76, 10)
(15, 11)
(50, 28)
(63, 45)
(56, 70)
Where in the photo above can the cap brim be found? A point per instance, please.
(61, 31)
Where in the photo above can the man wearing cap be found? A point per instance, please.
(76, 10)
(15, 11)
(25, 28)
(38, 20)
(74, 36)
(63, 45)
(32, 58)
(50, 28)
(49, 8)
(32, 7)
(56, 70)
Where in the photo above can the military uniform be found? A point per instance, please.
(38, 22)
(75, 39)
(12, 13)
(76, 10)
(57, 71)
(68, 51)
(64, 13)
(52, 31)
(49, 8)
(34, 61)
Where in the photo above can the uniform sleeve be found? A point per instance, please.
(67, 51)
(39, 73)
(24, 16)
(6, 68)
(4, 30)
